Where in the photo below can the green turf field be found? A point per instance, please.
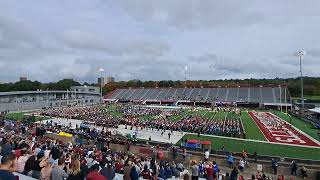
(300, 124)
(21, 115)
(234, 145)
(253, 133)
(252, 130)
(220, 115)
(112, 110)
(17, 116)
(178, 117)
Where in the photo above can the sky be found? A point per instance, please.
(48, 40)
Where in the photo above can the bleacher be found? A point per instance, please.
(262, 95)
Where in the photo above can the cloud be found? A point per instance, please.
(152, 40)
(16, 35)
(114, 46)
(191, 13)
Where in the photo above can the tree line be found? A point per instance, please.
(311, 84)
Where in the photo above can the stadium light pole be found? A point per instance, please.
(185, 75)
(301, 54)
(101, 71)
(47, 97)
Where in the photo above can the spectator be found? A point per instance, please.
(241, 177)
(146, 173)
(94, 173)
(244, 155)
(134, 174)
(184, 153)
(206, 155)
(294, 168)
(57, 172)
(259, 176)
(180, 167)
(37, 149)
(168, 171)
(201, 169)
(6, 148)
(38, 165)
(209, 172)
(30, 163)
(75, 171)
(45, 173)
(108, 172)
(274, 165)
(195, 171)
(253, 177)
(230, 160)
(89, 160)
(22, 161)
(304, 172)
(255, 157)
(84, 168)
(227, 177)
(241, 165)
(118, 167)
(126, 171)
(7, 166)
(234, 174)
(162, 173)
(281, 177)
(215, 168)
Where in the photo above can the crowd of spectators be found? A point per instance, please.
(25, 149)
(95, 114)
(158, 119)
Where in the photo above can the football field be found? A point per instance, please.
(255, 139)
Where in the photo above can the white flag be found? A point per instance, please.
(100, 69)
(186, 67)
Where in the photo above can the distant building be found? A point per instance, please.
(85, 89)
(23, 79)
(105, 80)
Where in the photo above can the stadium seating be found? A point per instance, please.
(270, 95)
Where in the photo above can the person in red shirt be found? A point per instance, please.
(160, 155)
(118, 167)
(18, 153)
(241, 178)
(146, 174)
(94, 174)
(209, 172)
(281, 177)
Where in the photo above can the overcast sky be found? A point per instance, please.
(153, 40)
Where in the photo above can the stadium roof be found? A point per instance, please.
(316, 110)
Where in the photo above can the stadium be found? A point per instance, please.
(270, 97)
(159, 90)
(258, 120)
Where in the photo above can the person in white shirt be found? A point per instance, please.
(241, 165)
(22, 161)
(37, 149)
(206, 155)
(47, 152)
(89, 160)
